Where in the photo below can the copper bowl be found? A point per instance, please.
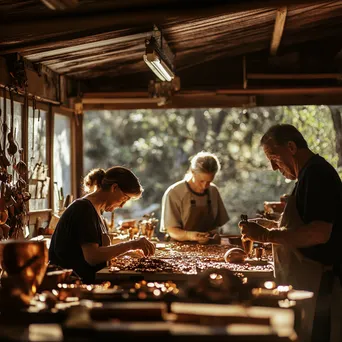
(25, 258)
(24, 264)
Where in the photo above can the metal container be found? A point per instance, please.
(24, 264)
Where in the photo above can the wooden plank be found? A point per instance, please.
(66, 40)
(298, 100)
(105, 275)
(86, 47)
(201, 101)
(260, 76)
(32, 27)
(97, 62)
(283, 91)
(38, 86)
(44, 215)
(278, 29)
(78, 59)
(178, 101)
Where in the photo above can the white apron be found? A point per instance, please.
(293, 268)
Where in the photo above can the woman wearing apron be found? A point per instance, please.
(192, 208)
(306, 240)
(80, 240)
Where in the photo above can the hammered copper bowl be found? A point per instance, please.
(25, 259)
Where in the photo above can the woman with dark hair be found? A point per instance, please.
(192, 208)
(80, 240)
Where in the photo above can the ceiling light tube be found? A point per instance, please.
(154, 69)
(163, 69)
(158, 66)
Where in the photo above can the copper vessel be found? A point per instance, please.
(24, 264)
(247, 245)
(259, 252)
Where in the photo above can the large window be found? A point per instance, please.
(62, 158)
(158, 144)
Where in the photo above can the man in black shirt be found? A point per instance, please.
(306, 240)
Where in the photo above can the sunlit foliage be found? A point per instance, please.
(157, 145)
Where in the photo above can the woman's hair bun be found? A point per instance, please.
(93, 179)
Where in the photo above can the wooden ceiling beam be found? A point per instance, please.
(99, 62)
(209, 99)
(288, 76)
(113, 43)
(282, 91)
(179, 100)
(66, 40)
(58, 64)
(107, 96)
(278, 29)
(59, 4)
(32, 28)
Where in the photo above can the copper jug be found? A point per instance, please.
(24, 264)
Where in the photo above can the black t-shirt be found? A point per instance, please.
(79, 224)
(319, 198)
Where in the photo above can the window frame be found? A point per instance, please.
(67, 113)
(51, 109)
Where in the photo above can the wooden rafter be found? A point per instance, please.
(278, 29)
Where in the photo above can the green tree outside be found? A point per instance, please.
(157, 146)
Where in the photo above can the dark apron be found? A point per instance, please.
(201, 218)
(293, 268)
(105, 238)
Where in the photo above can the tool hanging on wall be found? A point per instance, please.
(13, 192)
(4, 125)
(4, 160)
(23, 161)
(3, 209)
(33, 117)
(21, 166)
(12, 147)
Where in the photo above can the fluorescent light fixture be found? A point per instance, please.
(158, 66)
